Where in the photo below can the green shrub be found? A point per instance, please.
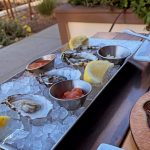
(10, 31)
(46, 7)
(117, 3)
(85, 2)
(142, 9)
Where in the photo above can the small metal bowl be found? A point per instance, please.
(114, 54)
(44, 68)
(57, 90)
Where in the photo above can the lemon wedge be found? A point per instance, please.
(77, 41)
(4, 121)
(96, 70)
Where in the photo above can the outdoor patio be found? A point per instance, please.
(27, 50)
(45, 42)
(114, 120)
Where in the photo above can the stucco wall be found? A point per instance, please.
(79, 28)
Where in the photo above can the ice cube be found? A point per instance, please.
(69, 121)
(79, 111)
(26, 122)
(4, 109)
(13, 114)
(48, 128)
(20, 144)
(47, 143)
(37, 131)
(56, 134)
(55, 104)
(16, 136)
(37, 145)
(28, 143)
(59, 113)
(6, 88)
(10, 128)
(17, 86)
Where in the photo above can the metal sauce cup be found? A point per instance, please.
(57, 90)
(44, 68)
(114, 53)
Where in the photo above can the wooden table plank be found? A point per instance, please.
(139, 125)
(129, 143)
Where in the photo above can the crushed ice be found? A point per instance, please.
(37, 134)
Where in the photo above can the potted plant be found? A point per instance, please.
(102, 11)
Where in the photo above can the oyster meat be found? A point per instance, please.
(29, 107)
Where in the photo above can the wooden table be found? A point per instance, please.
(139, 125)
(110, 123)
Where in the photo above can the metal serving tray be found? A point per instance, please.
(96, 91)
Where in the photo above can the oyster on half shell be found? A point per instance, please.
(67, 72)
(59, 74)
(75, 58)
(49, 80)
(34, 106)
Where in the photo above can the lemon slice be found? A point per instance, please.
(96, 70)
(4, 121)
(77, 41)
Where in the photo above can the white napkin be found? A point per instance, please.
(130, 44)
(143, 54)
(108, 147)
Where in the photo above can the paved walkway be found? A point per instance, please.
(15, 57)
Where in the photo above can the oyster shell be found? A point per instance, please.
(34, 106)
(67, 72)
(76, 58)
(48, 80)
